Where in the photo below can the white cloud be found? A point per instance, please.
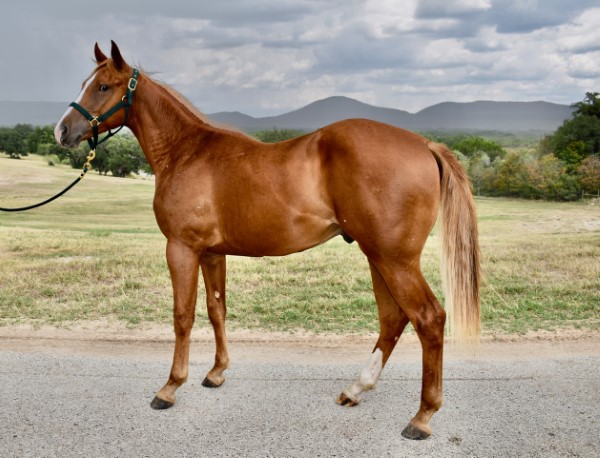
(586, 66)
(266, 56)
(583, 34)
(443, 8)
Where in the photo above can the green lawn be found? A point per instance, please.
(96, 253)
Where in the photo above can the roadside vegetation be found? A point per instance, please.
(563, 166)
(96, 254)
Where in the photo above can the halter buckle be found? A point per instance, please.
(95, 122)
(132, 84)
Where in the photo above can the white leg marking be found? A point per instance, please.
(217, 294)
(368, 377)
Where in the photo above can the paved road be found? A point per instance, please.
(95, 403)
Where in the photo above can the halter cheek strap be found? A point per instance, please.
(95, 121)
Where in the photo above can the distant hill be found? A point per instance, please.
(503, 116)
(480, 115)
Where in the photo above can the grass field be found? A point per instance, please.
(97, 254)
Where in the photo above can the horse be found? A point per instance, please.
(221, 192)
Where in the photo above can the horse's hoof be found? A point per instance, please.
(208, 383)
(345, 400)
(160, 404)
(414, 433)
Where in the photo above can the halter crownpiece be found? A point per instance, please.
(95, 121)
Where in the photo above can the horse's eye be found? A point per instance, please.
(104, 88)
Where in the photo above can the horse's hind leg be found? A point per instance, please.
(184, 266)
(213, 270)
(407, 285)
(392, 321)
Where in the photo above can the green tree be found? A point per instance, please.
(277, 135)
(589, 174)
(77, 156)
(100, 162)
(13, 140)
(120, 155)
(472, 145)
(548, 179)
(589, 106)
(38, 137)
(477, 169)
(578, 137)
(124, 155)
(512, 177)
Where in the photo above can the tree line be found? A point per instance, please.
(121, 155)
(562, 166)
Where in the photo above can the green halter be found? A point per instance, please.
(95, 121)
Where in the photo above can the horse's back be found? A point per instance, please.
(371, 141)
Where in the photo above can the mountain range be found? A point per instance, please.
(470, 116)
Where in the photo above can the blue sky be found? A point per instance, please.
(267, 57)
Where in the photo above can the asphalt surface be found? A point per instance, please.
(70, 403)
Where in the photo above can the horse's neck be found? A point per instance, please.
(162, 125)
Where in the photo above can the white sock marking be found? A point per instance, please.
(368, 377)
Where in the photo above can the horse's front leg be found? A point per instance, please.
(213, 270)
(183, 265)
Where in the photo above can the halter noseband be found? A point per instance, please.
(95, 121)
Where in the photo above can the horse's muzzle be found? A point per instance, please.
(65, 137)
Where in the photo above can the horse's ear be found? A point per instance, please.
(116, 55)
(100, 57)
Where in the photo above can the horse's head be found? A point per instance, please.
(104, 88)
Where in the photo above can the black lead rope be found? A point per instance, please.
(47, 201)
(93, 142)
(87, 166)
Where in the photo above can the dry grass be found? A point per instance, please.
(97, 254)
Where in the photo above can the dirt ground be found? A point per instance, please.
(153, 342)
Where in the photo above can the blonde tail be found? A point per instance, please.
(461, 273)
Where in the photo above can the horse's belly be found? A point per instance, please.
(277, 236)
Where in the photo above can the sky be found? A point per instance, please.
(266, 57)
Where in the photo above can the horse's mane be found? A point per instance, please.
(189, 106)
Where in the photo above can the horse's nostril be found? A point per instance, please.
(64, 132)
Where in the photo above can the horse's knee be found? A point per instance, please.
(430, 325)
(438, 321)
(183, 322)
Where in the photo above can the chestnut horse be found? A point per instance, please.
(220, 192)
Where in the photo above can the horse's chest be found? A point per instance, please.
(184, 212)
